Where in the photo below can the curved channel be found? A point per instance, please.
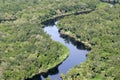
(76, 56)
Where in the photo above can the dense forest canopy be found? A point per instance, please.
(101, 29)
(25, 49)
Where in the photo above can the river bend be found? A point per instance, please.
(76, 56)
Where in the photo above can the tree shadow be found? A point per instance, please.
(51, 71)
(78, 44)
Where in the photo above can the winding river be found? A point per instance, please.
(76, 56)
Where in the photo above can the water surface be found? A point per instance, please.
(76, 56)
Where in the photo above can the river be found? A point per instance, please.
(76, 56)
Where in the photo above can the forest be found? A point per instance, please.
(101, 30)
(26, 50)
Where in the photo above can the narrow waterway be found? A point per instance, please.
(76, 56)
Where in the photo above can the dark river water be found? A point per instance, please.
(76, 56)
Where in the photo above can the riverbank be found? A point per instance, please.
(75, 40)
(53, 19)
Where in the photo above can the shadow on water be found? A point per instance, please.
(51, 71)
(67, 38)
(53, 20)
(78, 44)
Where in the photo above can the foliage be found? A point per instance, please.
(25, 49)
(101, 29)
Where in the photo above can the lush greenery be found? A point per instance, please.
(25, 49)
(101, 29)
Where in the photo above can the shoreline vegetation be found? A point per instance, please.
(26, 49)
(52, 19)
(74, 39)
